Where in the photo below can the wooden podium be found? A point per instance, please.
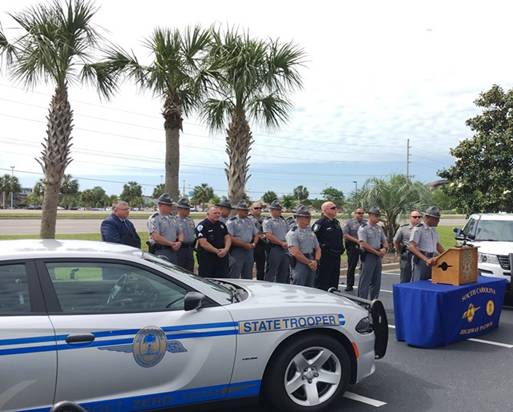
(456, 266)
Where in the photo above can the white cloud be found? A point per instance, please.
(377, 74)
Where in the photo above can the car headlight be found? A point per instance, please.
(365, 325)
(488, 258)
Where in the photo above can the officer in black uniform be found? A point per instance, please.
(329, 234)
(213, 245)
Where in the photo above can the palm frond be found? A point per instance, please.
(7, 49)
(272, 110)
(215, 112)
(56, 40)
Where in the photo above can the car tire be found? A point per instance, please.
(307, 363)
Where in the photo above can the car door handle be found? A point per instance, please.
(87, 337)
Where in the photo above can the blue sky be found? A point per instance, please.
(377, 73)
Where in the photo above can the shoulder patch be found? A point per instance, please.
(293, 228)
(316, 227)
(154, 214)
(200, 227)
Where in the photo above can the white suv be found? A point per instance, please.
(493, 233)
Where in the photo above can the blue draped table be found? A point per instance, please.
(428, 315)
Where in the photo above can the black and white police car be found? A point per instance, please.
(113, 328)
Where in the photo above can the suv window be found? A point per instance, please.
(14, 291)
(495, 230)
(91, 287)
(470, 227)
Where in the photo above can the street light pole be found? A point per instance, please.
(12, 192)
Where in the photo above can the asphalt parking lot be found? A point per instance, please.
(467, 376)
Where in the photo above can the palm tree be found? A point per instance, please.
(177, 75)
(301, 193)
(69, 186)
(254, 78)
(9, 185)
(202, 194)
(394, 196)
(55, 46)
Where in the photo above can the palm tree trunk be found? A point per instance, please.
(238, 144)
(173, 125)
(55, 157)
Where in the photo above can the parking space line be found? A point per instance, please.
(364, 399)
(487, 342)
(491, 342)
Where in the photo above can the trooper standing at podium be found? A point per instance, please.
(425, 244)
(401, 242)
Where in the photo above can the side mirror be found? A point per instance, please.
(458, 234)
(193, 301)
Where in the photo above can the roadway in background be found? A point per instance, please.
(71, 226)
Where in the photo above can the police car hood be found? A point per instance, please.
(268, 294)
(494, 248)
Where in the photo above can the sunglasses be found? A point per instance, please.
(359, 213)
(257, 208)
(416, 217)
(332, 208)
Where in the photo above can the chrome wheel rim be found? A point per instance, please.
(312, 376)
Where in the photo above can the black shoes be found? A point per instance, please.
(348, 288)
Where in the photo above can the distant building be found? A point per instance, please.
(20, 198)
(436, 184)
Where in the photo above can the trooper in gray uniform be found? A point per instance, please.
(275, 228)
(425, 244)
(186, 251)
(304, 248)
(225, 207)
(244, 236)
(401, 242)
(165, 235)
(352, 244)
(374, 246)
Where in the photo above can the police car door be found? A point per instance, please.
(28, 359)
(127, 342)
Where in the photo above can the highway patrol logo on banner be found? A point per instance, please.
(470, 312)
(490, 308)
(149, 347)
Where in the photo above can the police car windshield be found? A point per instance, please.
(222, 293)
(495, 230)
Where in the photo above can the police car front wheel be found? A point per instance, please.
(308, 375)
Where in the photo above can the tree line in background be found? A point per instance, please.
(395, 196)
(231, 79)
